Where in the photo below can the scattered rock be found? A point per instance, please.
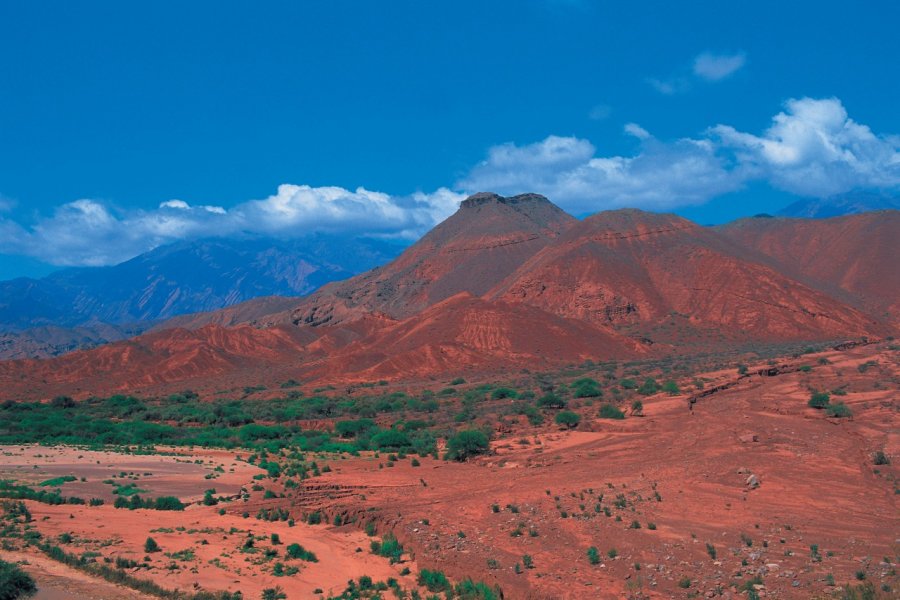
(748, 438)
(753, 481)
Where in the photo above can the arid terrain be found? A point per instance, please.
(521, 405)
(746, 487)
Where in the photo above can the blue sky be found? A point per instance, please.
(128, 125)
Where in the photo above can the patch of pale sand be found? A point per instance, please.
(169, 475)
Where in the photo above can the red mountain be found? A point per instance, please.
(505, 283)
(856, 254)
(632, 267)
(488, 238)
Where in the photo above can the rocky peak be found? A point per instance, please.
(483, 198)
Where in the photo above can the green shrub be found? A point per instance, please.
(839, 411)
(466, 444)
(299, 552)
(14, 582)
(586, 388)
(649, 387)
(151, 546)
(433, 581)
(503, 392)
(593, 555)
(819, 400)
(609, 411)
(551, 400)
(568, 419)
(671, 388)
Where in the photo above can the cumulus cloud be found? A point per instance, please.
(714, 67)
(567, 170)
(90, 233)
(812, 148)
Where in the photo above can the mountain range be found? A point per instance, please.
(83, 307)
(511, 283)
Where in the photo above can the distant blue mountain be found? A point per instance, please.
(836, 206)
(87, 306)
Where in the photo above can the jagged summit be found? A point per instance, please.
(482, 198)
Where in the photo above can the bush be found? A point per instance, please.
(151, 546)
(501, 393)
(586, 388)
(819, 400)
(671, 388)
(649, 387)
(593, 555)
(14, 582)
(839, 411)
(684, 582)
(608, 411)
(433, 581)
(637, 407)
(551, 400)
(880, 458)
(466, 444)
(298, 551)
(568, 419)
(391, 439)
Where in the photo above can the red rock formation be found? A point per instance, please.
(856, 254)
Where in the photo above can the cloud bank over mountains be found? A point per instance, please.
(812, 148)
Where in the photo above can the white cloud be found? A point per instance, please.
(814, 148)
(707, 66)
(87, 232)
(637, 131)
(566, 170)
(715, 67)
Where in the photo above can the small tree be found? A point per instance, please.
(467, 443)
(637, 408)
(593, 555)
(568, 419)
(151, 546)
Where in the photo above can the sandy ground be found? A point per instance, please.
(681, 475)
